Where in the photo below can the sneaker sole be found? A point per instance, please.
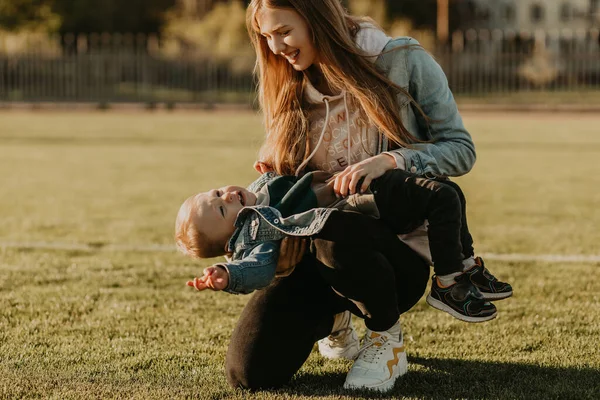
(443, 307)
(386, 386)
(496, 296)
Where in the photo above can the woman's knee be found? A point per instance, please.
(252, 363)
(299, 308)
(237, 375)
(240, 376)
(259, 363)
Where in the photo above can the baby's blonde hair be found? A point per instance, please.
(189, 238)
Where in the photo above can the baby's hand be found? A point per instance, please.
(214, 278)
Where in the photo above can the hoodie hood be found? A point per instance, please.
(371, 40)
(338, 135)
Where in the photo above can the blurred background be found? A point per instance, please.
(177, 52)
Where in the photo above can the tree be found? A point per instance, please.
(423, 13)
(15, 14)
(87, 16)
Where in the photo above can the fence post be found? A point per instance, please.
(595, 62)
(3, 69)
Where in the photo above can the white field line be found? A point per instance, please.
(550, 258)
(157, 248)
(133, 248)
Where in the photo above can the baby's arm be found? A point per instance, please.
(215, 278)
(255, 270)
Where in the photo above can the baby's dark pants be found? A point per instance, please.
(405, 201)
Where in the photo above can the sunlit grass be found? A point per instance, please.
(112, 325)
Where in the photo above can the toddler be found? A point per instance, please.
(247, 225)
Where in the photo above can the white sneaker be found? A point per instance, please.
(380, 362)
(343, 340)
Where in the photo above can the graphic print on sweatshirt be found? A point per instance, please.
(332, 155)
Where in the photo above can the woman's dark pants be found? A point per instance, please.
(356, 263)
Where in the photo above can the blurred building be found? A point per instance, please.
(595, 12)
(540, 42)
(530, 15)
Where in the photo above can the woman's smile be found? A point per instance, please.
(292, 57)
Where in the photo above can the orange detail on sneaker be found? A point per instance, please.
(440, 283)
(394, 361)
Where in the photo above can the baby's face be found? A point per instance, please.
(217, 210)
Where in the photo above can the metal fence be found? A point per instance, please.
(138, 68)
(117, 68)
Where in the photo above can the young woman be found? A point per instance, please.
(339, 95)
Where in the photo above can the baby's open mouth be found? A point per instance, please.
(241, 198)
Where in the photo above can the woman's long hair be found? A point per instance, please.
(344, 67)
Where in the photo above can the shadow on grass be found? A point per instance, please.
(449, 378)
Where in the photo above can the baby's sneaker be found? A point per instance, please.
(343, 341)
(489, 286)
(462, 300)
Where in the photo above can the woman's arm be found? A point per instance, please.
(452, 152)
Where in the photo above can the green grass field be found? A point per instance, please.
(121, 324)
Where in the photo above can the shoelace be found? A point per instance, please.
(373, 349)
(339, 339)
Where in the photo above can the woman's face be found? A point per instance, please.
(288, 36)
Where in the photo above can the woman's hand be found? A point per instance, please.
(291, 251)
(262, 168)
(214, 278)
(346, 182)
